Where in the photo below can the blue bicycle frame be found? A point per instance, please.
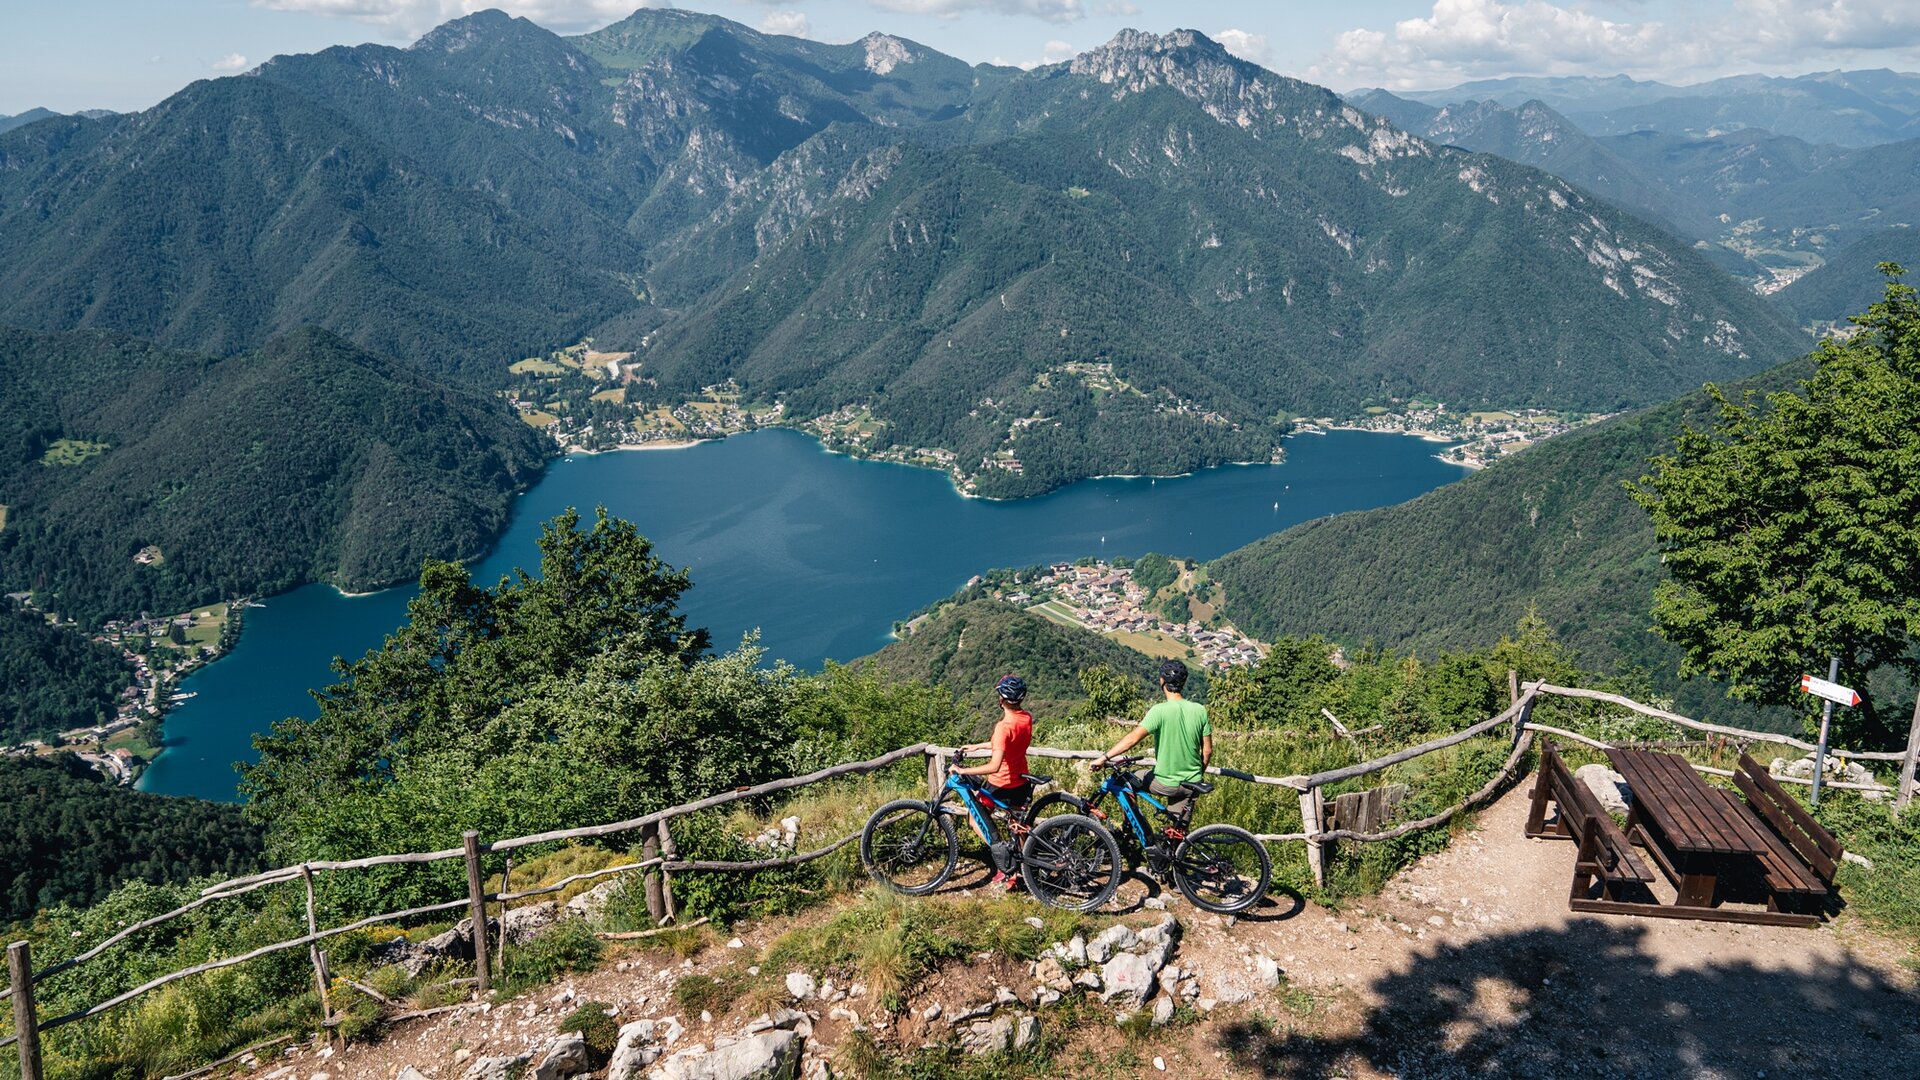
(1117, 785)
(972, 794)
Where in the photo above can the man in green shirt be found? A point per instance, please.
(1182, 742)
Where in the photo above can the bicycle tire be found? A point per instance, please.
(1222, 868)
(909, 847)
(1054, 803)
(1072, 862)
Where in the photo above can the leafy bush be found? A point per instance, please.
(568, 946)
(595, 1022)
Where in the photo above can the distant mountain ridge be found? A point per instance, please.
(1762, 202)
(1848, 108)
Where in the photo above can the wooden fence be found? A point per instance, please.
(660, 855)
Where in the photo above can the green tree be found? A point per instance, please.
(1791, 533)
(1111, 695)
(473, 672)
(1154, 571)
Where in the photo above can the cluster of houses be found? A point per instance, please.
(1106, 599)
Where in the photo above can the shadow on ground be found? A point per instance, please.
(1589, 1001)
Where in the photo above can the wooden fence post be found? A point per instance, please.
(1310, 816)
(936, 772)
(26, 1023)
(477, 909)
(1513, 686)
(656, 898)
(668, 851)
(313, 950)
(1909, 767)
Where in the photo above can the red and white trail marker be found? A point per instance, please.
(1832, 691)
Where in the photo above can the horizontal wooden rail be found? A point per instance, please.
(1502, 777)
(264, 950)
(1717, 729)
(830, 773)
(1334, 776)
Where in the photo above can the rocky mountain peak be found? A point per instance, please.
(1140, 59)
(886, 52)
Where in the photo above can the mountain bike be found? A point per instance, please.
(1219, 868)
(1067, 861)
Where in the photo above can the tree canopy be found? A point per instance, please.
(1791, 531)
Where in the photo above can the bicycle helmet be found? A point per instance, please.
(1174, 674)
(1012, 689)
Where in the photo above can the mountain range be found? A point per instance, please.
(1761, 205)
(874, 225)
(1847, 108)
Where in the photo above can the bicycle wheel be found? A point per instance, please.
(1222, 869)
(1072, 862)
(909, 847)
(1055, 803)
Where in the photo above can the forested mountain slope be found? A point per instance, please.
(306, 460)
(1551, 528)
(67, 838)
(968, 645)
(1242, 241)
(1851, 280)
(52, 679)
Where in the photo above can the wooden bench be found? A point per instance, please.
(1801, 855)
(1605, 852)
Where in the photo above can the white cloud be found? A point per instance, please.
(1246, 46)
(1052, 52)
(790, 23)
(230, 62)
(156, 58)
(1054, 11)
(1468, 39)
(410, 18)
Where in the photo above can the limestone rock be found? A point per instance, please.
(408, 1072)
(1267, 971)
(988, 1036)
(772, 1055)
(1117, 938)
(633, 1052)
(1050, 974)
(566, 1056)
(1162, 1011)
(1607, 786)
(1025, 1030)
(523, 924)
(497, 1068)
(800, 985)
(1128, 979)
(593, 903)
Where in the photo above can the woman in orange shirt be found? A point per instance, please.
(1006, 771)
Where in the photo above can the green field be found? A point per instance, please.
(72, 451)
(536, 366)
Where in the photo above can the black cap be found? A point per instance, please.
(1174, 674)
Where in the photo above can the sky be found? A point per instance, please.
(130, 54)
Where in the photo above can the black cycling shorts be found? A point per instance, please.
(1013, 797)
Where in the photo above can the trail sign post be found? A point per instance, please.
(1833, 693)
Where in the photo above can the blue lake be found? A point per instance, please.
(820, 552)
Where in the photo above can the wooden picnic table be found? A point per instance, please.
(1692, 830)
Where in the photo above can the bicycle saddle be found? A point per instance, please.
(1036, 780)
(1198, 787)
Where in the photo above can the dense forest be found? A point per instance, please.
(51, 678)
(306, 460)
(69, 838)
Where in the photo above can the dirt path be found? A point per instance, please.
(1468, 965)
